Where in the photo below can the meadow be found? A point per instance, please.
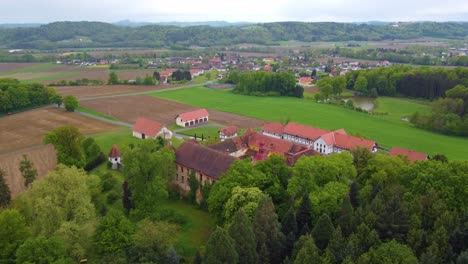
(387, 130)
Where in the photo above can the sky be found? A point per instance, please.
(45, 11)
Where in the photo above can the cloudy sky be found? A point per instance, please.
(43, 11)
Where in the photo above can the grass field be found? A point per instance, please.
(95, 113)
(388, 130)
(207, 131)
(49, 77)
(123, 138)
(36, 68)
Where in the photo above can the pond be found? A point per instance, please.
(366, 103)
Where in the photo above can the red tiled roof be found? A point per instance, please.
(304, 131)
(267, 67)
(274, 128)
(215, 60)
(229, 131)
(114, 153)
(205, 160)
(411, 154)
(270, 143)
(350, 142)
(167, 72)
(200, 113)
(305, 80)
(147, 127)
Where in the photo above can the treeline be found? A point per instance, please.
(344, 208)
(421, 82)
(97, 34)
(448, 115)
(79, 82)
(15, 96)
(262, 83)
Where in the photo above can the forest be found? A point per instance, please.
(97, 34)
(262, 83)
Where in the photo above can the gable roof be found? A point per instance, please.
(274, 128)
(205, 160)
(411, 154)
(114, 153)
(304, 131)
(305, 80)
(193, 114)
(229, 131)
(147, 127)
(351, 142)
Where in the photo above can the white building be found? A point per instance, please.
(145, 128)
(192, 118)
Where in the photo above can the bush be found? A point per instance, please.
(70, 102)
(109, 182)
(113, 196)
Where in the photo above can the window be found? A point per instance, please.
(177, 177)
(182, 168)
(182, 179)
(116, 159)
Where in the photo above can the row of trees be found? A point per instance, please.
(448, 115)
(353, 207)
(420, 82)
(114, 79)
(261, 83)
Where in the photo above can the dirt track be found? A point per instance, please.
(28, 128)
(129, 108)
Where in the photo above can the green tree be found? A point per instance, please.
(67, 142)
(5, 195)
(113, 234)
(28, 170)
(241, 232)
(172, 257)
(71, 103)
(338, 247)
(194, 186)
(12, 234)
(390, 252)
(113, 78)
(93, 153)
(360, 85)
(221, 248)
(246, 199)
(149, 80)
(345, 219)
(323, 231)
(304, 213)
(290, 230)
(42, 250)
(363, 239)
(308, 254)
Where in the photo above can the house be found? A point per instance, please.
(273, 129)
(339, 141)
(410, 154)
(304, 81)
(192, 118)
(268, 60)
(302, 134)
(228, 132)
(206, 164)
(164, 75)
(196, 72)
(114, 157)
(145, 128)
(267, 67)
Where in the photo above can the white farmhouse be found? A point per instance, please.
(145, 128)
(192, 118)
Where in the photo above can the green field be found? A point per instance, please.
(207, 131)
(122, 138)
(95, 113)
(49, 77)
(388, 130)
(35, 68)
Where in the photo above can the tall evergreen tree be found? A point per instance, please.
(323, 231)
(353, 195)
(363, 239)
(289, 229)
(241, 232)
(221, 248)
(338, 248)
(5, 195)
(308, 254)
(346, 217)
(267, 232)
(304, 212)
(28, 170)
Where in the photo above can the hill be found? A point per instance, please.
(98, 34)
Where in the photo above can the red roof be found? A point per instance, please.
(305, 80)
(229, 131)
(147, 127)
(274, 128)
(195, 71)
(411, 154)
(167, 72)
(270, 143)
(304, 131)
(350, 142)
(114, 153)
(200, 113)
(267, 67)
(215, 60)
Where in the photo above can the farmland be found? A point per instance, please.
(28, 128)
(387, 130)
(83, 92)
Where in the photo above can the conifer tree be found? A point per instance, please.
(221, 248)
(289, 229)
(308, 254)
(346, 217)
(323, 231)
(5, 195)
(304, 212)
(244, 238)
(338, 247)
(353, 195)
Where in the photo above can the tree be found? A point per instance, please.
(67, 142)
(113, 234)
(12, 234)
(42, 250)
(267, 232)
(242, 233)
(304, 212)
(346, 217)
(28, 171)
(5, 195)
(221, 248)
(363, 239)
(71, 103)
(246, 199)
(149, 80)
(360, 85)
(323, 231)
(93, 153)
(172, 257)
(308, 254)
(113, 78)
(289, 229)
(390, 252)
(194, 186)
(338, 247)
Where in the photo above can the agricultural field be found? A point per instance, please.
(387, 130)
(43, 157)
(129, 108)
(27, 129)
(83, 92)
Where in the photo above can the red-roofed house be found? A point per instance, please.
(114, 157)
(268, 60)
(304, 81)
(338, 141)
(302, 134)
(196, 72)
(145, 128)
(273, 129)
(267, 67)
(164, 75)
(228, 132)
(192, 118)
(411, 154)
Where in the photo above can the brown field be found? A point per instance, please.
(5, 67)
(129, 108)
(27, 129)
(82, 92)
(43, 157)
(311, 90)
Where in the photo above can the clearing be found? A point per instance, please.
(387, 130)
(27, 129)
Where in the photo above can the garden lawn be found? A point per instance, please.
(122, 138)
(387, 130)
